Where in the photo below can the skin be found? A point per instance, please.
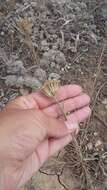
(32, 129)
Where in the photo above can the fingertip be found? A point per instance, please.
(87, 98)
(72, 127)
(69, 91)
(88, 111)
(74, 87)
(80, 115)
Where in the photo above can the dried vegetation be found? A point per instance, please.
(66, 40)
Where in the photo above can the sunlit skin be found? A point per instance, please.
(32, 129)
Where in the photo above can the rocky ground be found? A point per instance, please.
(64, 40)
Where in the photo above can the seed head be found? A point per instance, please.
(50, 88)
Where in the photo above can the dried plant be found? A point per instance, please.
(25, 25)
(50, 89)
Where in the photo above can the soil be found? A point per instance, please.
(64, 40)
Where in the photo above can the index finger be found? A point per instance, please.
(64, 92)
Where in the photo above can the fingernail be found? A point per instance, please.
(72, 127)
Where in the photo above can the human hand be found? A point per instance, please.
(32, 129)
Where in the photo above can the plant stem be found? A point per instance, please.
(64, 114)
(77, 147)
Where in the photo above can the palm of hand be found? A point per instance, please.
(49, 114)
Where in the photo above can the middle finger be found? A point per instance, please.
(68, 105)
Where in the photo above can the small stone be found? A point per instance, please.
(53, 76)
(68, 67)
(98, 144)
(60, 58)
(40, 74)
(83, 5)
(55, 36)
(104, 101)
(44, 45)
(95, 134)
(62, 69)
(73, 49)
(33, 4)
(2, 33)
(77, 9)
(55, 47)
(90, 146)
(52, 64)
(54, 56)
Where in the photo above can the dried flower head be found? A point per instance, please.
(50, 88)
(25, 25)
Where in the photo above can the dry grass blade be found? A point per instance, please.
(25, 25)
(98, 68)
(94, 86)
(3, 56)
